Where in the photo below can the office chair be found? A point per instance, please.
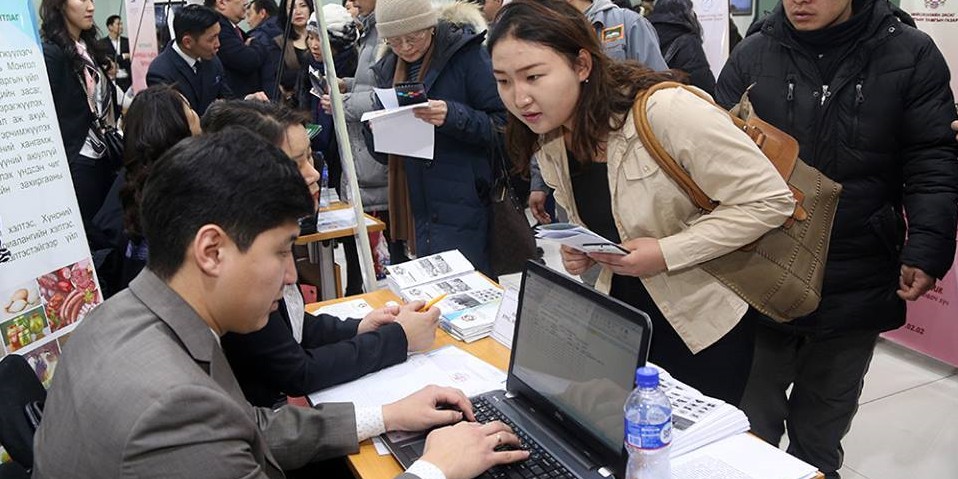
(21, 404)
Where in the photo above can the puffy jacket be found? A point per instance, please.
(681, 45)
(263, 36)
(881, 129)
(449, 195)
(372, 176)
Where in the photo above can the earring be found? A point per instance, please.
(585, 81)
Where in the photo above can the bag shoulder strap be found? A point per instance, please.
(654, 146)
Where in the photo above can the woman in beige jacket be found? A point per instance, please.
(571, 105)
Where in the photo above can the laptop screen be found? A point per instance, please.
(578, 349)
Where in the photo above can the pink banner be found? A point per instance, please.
(932, 326)
(141, 19)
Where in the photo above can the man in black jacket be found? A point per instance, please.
(118, 47)
(189, 62)
(241, 57)
(867, 97)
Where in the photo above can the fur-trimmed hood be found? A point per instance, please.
(464, 14)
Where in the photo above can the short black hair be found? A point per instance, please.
(193, 20)
(269, 5)
(232, 179)
(112, 19)
(209, 4)
(267, 120)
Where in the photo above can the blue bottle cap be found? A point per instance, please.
(647, 377)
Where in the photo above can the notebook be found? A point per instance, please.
(573, 362)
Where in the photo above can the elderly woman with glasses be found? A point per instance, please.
(441, 204)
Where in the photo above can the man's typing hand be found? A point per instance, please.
(429, 407)
(467, 449)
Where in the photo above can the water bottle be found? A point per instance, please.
(324, 187)
(648, 428)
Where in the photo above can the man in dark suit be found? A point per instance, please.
(144, 389)
(189, 62)
(118, 47)
(242, 57)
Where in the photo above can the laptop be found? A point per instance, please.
(573, 364)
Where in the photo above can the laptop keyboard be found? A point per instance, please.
(540, 465)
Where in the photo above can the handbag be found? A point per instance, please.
(108, 139)
(511, 239)
(781, 273)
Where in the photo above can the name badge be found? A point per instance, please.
(613, 33)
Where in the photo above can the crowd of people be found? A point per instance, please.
(187, 366)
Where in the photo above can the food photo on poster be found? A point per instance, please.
(69, 293)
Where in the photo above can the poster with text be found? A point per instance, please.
(713, 15)
(47, 280)
(932, 326)
(141, 16)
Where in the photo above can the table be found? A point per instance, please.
(367, 463)
(322, 245)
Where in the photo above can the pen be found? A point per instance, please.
(432, 302)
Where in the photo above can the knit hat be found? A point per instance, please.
(400, 17)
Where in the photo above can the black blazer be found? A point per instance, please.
(200, 88)
(69, 99)
(117, 56)
(241, 62)
(269, 364)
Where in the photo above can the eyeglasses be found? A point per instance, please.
(408, 39)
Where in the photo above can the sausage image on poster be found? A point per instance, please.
(69, 293)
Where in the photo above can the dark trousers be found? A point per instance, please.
(92, 179)
(720, 370)
(826, 371)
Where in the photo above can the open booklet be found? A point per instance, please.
(471, 302)
(578, 237)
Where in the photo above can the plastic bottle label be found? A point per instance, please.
(648, 436)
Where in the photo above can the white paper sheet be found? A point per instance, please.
(357, 308)
(742, 456)
(448, 366)
(505, 324)
(335, 220)
(396, 130)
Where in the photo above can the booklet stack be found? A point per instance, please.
(697, 419)
(471, 302)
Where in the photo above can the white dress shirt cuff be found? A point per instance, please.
(369, 422)
(425, 470)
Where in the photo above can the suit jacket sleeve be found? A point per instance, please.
(235, 53)
(330, 353)
(196, 428)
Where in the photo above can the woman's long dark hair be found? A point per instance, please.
(603, 101)
(154, 123)
(286, 12)
(53, 28)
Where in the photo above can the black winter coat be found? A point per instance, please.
(682, 50)
(881, 129)
(449, 195)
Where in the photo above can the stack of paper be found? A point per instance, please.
(447, 366)
(577, 237)
(741, 456)
(504, 328)
(335, 220)
(697, 419)
(471, 302)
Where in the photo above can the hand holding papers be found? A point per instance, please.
(396, 130)
(579, 238)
